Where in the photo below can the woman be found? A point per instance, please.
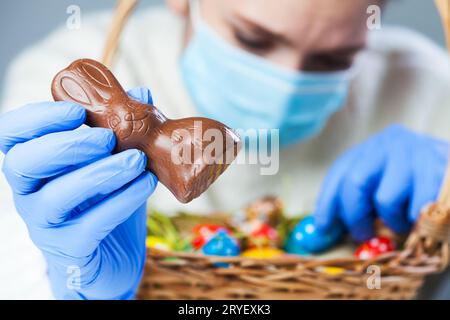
(308, 68)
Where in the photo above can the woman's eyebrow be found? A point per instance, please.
(256, 27)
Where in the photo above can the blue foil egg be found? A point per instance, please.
(306, 239)
(221, 244)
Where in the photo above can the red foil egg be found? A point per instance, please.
(205, 232)
(374, 247)
(264, 236)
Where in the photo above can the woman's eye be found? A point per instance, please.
(252, 42)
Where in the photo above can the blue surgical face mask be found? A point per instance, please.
(245, 91)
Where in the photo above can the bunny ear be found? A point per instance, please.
(67, 87)
(87, 82)
(97, 73)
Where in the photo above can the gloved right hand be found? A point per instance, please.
(84, 207)
(392, 175)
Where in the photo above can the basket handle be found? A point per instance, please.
(431, 235)
(121, 14)
(432, 232)
(444, 195)
(443, 7)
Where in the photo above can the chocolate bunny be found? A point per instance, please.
(175, 148)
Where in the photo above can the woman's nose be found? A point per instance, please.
(289, 59)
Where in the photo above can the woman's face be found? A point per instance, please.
(308, 35)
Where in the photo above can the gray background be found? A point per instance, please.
(24, 22)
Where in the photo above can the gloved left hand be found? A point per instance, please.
(392, 175)
(84, 207)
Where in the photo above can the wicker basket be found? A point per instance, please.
(180, 275)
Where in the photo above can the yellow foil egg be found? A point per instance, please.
(158, 243)
(262, 253)
(332, 271)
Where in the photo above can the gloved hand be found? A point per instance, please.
(84, 208)
(392, 175)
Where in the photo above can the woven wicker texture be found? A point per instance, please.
(178, 275)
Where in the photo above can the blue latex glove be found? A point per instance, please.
(84, 208)
(392, 175)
